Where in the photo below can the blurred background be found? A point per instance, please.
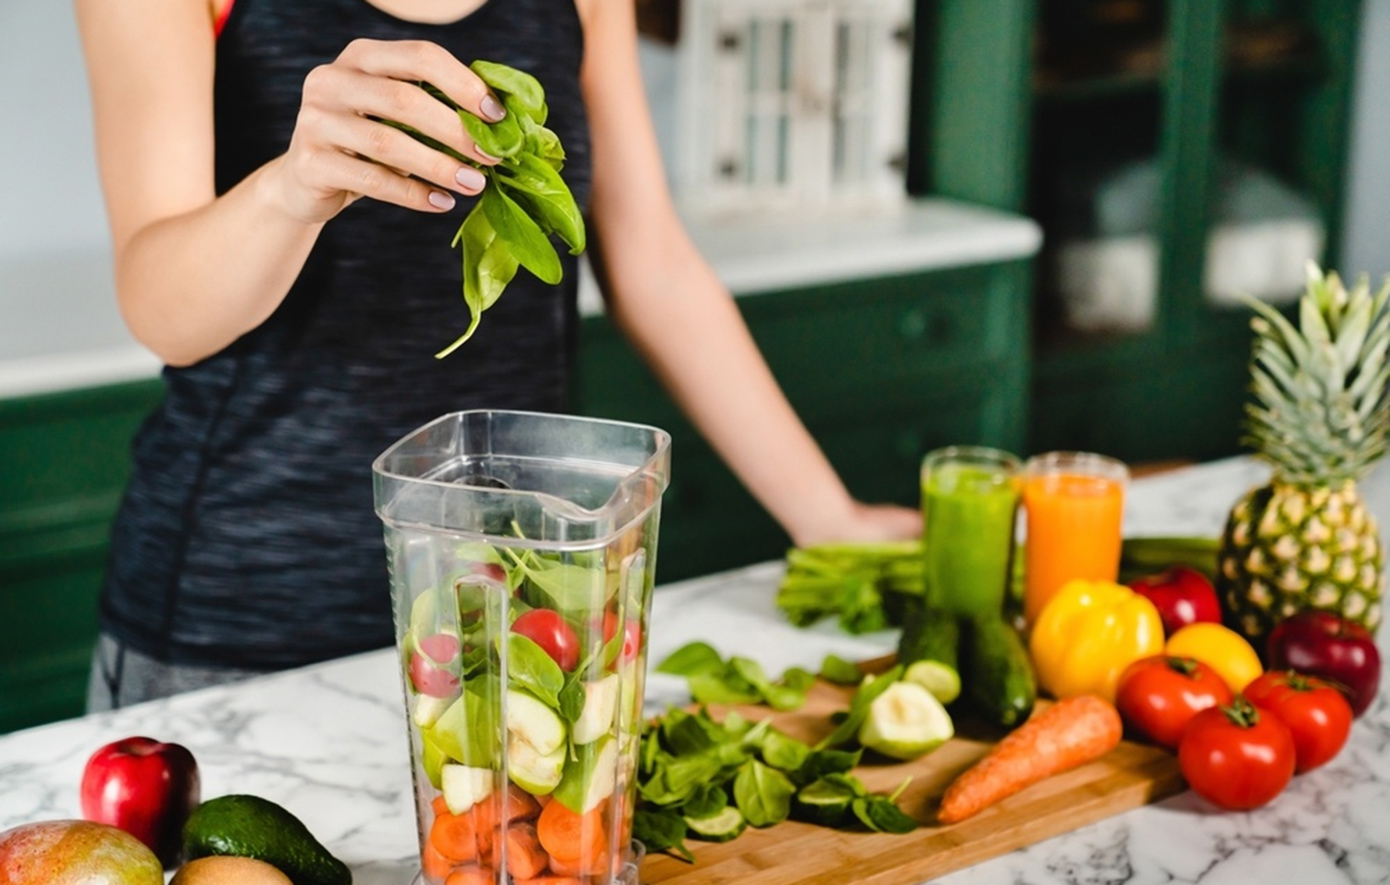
(1021, 223)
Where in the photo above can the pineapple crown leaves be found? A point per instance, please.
(1322, 388)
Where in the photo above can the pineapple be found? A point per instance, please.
(1321, 418)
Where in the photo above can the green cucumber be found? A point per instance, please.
(725, 824)
(928, 651)
(1000, 682)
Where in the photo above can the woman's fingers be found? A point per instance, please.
(392, 148)
(338, 89)
(356, 176)
(421, 60)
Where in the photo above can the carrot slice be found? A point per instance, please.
(434, 865)
(578, 842)
(525, 857)
(455, 836)
(1067, 734)
(551, 880)
(471, 876)
(520, 805)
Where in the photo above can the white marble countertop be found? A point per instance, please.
(60, 328)
(328, 743)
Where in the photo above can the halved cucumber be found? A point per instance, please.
(724, 825)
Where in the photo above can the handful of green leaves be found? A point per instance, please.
(739, 680)
(862, 586)
(708, 780)
(524, 200)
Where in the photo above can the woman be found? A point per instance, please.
(299, 321)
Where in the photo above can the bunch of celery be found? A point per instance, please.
(862, 585)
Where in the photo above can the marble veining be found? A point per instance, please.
(329, 743)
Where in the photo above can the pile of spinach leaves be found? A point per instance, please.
(693, 768)
(524, 201)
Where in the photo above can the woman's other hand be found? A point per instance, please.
(340, 149)
(864, 522)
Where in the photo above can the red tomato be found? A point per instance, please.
(552, 633)
(1236, 757)
(1316, 713)
(1159, 695)
(632, 635)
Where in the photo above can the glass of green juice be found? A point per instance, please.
(970, 498)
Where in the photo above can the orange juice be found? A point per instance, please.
(1075, 506)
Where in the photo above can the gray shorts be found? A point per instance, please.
(122, 676)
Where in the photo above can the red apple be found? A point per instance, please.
(75, 852)
(1182, 595)
(1322, 644)
(144, 787)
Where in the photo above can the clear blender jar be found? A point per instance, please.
(522, 550)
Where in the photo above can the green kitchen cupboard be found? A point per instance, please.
(1173, 153)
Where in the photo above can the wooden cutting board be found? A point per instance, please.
(794, 853)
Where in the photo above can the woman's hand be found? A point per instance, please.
(865, 522)
(340, 149)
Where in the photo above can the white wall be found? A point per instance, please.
(1367, 223)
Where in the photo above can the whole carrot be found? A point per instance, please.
(1067, 734)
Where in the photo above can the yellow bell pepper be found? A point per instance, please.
(1088, 634)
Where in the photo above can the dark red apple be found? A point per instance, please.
(1182, 595)
(1322, 644)
(75, 852)
(145, 787)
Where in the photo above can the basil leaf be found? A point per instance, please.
(763, 794)
(661, 831)
(692, 659)
(528, 242)
(525, 88)
(530, 667)
(867, 693)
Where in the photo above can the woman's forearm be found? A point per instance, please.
(191, 284)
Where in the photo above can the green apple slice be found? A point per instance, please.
(590, 777)
(535, 772)
(426, 709)
(600, 702)
(906, 722)
(463, 785)
(532, 722)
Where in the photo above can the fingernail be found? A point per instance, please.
(492, 109)
(469, 179)
(485, 155)
(441, 200)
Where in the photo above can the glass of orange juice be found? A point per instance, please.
(1074, 506)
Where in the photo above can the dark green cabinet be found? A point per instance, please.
(1022, 100)
(66, 458)
(881, 371)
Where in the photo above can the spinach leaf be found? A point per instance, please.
(784, 752)
(538, 188)
(571, 701)
(692, 659)
(707, 801)
(525, 88)
(840, 671)
(661, 830)
(882, 815)
(522, 234)
(488, 266)
(530, 667)
(502, 139)
(825, 762)
(763, 794)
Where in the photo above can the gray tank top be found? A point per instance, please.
(246, 537)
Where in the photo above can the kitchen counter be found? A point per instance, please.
(329, 743)
(62, 329)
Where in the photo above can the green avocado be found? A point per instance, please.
(249, 826)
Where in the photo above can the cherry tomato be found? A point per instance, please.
(552, 633)
(632, 635)
(1316, 713)
(1236, 757)
(1159, 695)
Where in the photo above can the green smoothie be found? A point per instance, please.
(968, 510)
